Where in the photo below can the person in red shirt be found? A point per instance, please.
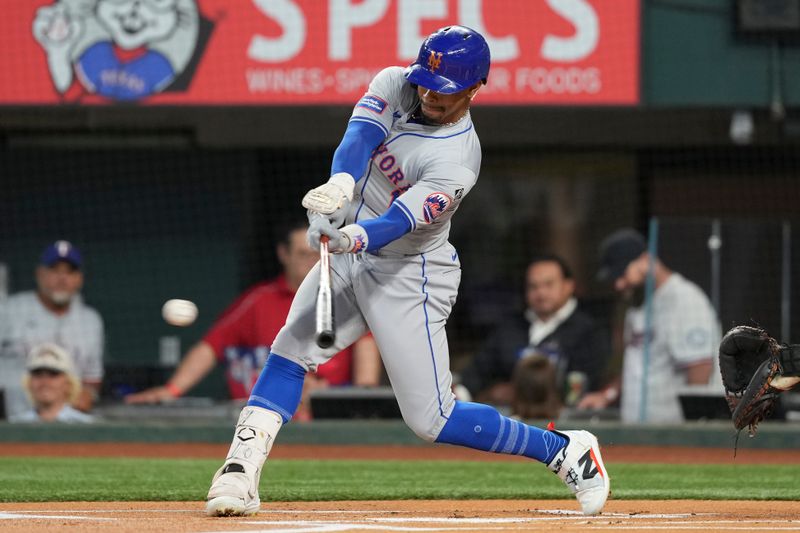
(242, 335)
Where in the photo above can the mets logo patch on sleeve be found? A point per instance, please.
(373, 103)
(435, 204)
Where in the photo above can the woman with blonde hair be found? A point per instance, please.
(51, 385)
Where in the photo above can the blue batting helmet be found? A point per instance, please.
(450, 60)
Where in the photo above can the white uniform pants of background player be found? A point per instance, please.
(404, 301)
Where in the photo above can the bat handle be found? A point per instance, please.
(324, 257)
(326, 334)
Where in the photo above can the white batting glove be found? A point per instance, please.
(332, 198)
(350, 239)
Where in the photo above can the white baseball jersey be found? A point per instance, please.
(25, 323)
(403, 293)
(426, 169)
(685, 330)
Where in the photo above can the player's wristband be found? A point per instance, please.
(358, 238)
(173, 390)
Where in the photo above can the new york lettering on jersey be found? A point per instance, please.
(388, 165)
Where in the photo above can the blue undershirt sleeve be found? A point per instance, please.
(388, 227)
(354, 151)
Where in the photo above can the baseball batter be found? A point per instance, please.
(408, 158)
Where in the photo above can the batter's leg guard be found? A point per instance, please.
(580, 466)
(234, 488)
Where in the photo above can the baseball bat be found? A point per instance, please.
(326, 331)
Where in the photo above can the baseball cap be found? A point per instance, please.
(617, 251)
(49, 356)
(61, 251)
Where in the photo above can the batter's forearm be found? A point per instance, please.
(355, 150)
(386, 228)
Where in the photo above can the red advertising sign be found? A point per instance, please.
(302, 52)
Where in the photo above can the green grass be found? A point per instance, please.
(111, 479)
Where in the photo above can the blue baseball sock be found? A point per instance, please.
(279, 386)
(481, 427)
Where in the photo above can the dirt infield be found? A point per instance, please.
(457, 516)
(409, 516)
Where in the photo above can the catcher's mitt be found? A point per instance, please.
(755, 370)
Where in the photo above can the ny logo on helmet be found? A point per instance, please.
(434, 60)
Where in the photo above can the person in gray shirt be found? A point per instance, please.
(675, 348)
(56, 313)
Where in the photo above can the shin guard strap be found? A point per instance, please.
(254, 436)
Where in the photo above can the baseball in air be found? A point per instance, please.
(179, 312)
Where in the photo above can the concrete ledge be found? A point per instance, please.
(773, 435)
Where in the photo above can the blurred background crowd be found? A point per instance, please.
(638, 196)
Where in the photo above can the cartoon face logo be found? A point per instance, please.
(133, 24)
(434, 61)
(120, 49)
(434, 205)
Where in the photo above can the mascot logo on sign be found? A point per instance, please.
(119, 49)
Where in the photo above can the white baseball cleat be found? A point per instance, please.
(234, 488)
(580, 465)
(233, 492)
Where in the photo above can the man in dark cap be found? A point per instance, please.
(54, 313)
(670, 339)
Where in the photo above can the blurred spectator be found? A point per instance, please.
(536, 392)
(56, 313)
(551, 327)
(683, 338)
(241, 337)
(51, 385)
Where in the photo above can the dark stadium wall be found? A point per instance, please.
(693, 56)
